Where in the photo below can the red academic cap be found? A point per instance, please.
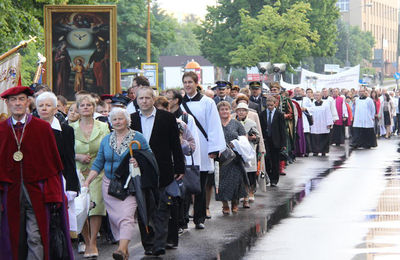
(16, 91)
(106, 96)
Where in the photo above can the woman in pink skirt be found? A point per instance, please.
(113, 148)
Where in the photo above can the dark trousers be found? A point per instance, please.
(272, 159)
(183, 210)
(397, 124)
(173, 223)
(164, 224)
(308, 142)
(152, 197)
(199, 205)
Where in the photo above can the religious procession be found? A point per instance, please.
(193, 161)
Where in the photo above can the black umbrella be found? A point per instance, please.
(135, 175)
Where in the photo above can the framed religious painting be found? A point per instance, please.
(81, 48)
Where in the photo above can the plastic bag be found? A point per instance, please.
(82, 206)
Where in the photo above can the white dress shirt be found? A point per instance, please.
(147, 124)
(15, 121)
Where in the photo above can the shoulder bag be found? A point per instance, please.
(191, 180)
(116, 187)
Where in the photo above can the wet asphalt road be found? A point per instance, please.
(342, 219)
(333, 193)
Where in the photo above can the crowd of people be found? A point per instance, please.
(235, 140)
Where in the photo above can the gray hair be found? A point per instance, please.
(45, 96)
(118, 110)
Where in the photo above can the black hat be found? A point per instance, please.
(255, 84)
(222, 84)
(120, 100)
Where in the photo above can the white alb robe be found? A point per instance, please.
(322, 118)
(364, 114)
(207, 114)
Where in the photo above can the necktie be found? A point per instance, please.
(18, 129)
(269, 122)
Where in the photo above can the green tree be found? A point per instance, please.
(281, 38)
(132, 26)
(219, 32)
(185, 42)
(353, 44)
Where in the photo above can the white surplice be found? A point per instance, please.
(364, 114)
(207, 114)
(322, 118)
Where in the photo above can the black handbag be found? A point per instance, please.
(116, 186)
(191, 180)
(227, 156)
(58, 242)
(309, 118)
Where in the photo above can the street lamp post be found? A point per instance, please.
(148, 49)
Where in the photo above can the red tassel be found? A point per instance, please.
(19, 81)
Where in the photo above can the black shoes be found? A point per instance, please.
(159, 251)
(148, 252)
(200, 226)
(273, 184)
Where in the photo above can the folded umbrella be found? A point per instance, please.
(135, 176)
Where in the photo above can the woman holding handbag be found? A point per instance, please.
(231, 174)
(113, 148)
(254, 138)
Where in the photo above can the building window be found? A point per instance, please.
(343, 5)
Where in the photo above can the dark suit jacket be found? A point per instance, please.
(66, 148)
(278, 135)
(165, 144)
(217, 99)
(261, 103)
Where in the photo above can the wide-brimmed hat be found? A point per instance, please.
(242, 105)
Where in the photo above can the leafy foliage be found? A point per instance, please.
(220, 32)
(279, 38)
(185, 42)
(132, 26)
(358, 43)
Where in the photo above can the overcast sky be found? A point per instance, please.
(183, 7)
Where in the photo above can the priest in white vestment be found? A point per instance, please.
(363, 123)
(320, 130)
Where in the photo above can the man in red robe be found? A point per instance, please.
(30, 184)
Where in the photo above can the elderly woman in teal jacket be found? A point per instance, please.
(113, 149)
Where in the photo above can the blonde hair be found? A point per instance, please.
(82, 98)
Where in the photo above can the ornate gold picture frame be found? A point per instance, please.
(81, 48)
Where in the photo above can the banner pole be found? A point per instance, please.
(22, 44)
